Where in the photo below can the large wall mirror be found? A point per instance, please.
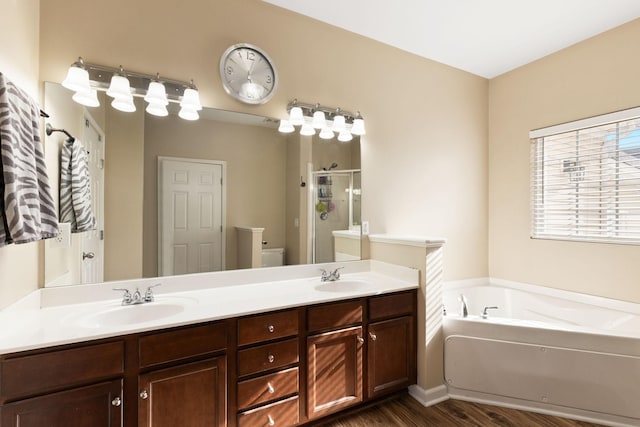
(298, 196)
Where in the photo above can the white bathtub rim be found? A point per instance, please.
(610, 303)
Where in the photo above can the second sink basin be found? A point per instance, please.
(344, 286)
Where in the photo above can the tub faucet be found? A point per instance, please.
(484, 312)
(463, 306)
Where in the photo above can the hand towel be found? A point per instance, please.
(75, 187)
(27, 210)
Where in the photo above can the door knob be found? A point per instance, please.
(89, 255)
(144, 394)
(117, 401)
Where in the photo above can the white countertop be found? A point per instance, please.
(70, 314)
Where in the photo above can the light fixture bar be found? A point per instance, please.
(100, 77)
(330, 112)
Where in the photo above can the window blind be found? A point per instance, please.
(585, 179)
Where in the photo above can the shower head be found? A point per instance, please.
(333, 166)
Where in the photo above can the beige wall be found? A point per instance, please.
(594, 77)
(256, 168)
(21, 266)
(424, 158)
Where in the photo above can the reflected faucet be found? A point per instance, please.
(463, 306)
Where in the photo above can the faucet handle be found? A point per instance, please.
(126, 297)
(325, 275)
(148, 294)
(336, 273)
(484, 312)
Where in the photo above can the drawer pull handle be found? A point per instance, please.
(270, 420)
(117, 401)
(373, 336)
(271, 328)
(270, 388)
(271, 358)
(360, 340)
(144, 394)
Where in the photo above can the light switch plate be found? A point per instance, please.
(365, 228)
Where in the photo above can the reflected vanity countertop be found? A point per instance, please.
(347, 234)
(70, 314)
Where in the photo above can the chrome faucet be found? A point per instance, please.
(137, 298)
(463, 306)
(484, 312)
(330, 276)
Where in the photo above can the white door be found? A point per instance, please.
(92, 242)
(191, 216)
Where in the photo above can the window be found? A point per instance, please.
(585, 179)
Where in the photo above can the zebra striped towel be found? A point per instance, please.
(27, 211)
(75, 188)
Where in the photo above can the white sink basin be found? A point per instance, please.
(131, 314)
(344, 286)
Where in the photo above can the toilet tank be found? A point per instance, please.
(272, 257)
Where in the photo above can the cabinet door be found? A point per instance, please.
(98, 405)
(191, 395)
(334, 377)
(392, 356)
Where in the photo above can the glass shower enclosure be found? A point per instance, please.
(336, 201)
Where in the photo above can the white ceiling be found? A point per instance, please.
(484, 37)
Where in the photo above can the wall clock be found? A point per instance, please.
(248, 74)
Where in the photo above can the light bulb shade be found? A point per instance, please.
(119, 87)
(319, 120)
(285, 127)
(358, 127)
(345, 136)
(188, 114)
(157, 110)
(77, 79)
(338, 124)
(191, 100)
(156, 94)
(122, 104)
(87, 98)
(326, 133)
(307, 129)
(295, 116)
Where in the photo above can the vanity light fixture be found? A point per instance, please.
(330, 122)
(86, 79)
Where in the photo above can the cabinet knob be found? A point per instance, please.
(270, 388)
(270, 420)
(271, 358)
(117, 401)
(360, 340)
(373, 336)
(144, 394)
(271, 328)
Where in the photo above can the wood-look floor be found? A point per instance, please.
(404, 411)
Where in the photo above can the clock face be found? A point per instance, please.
(248, 74)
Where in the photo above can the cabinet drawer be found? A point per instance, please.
(333, 316)
(394, 305)
(54, 370)
(267, 388)
(181, 344)
(267, 327)
(285, 413)
(266, 357)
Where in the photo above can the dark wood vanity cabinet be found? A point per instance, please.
(391, 356)
(183, 378)
(287, 367)
(73, 386)
(334, 357)
(268, 369)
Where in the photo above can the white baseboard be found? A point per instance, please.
(429, 397)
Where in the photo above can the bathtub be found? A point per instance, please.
(544, 350)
